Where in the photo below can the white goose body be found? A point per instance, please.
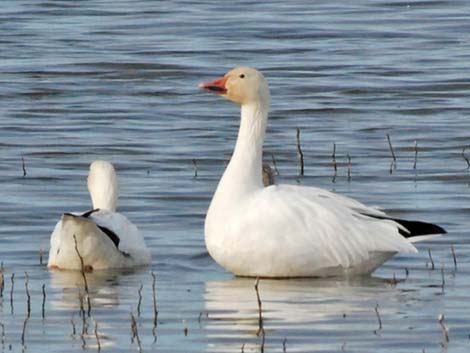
(104, 238)
(288, 230)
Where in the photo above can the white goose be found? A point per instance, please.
(289, 230)
(105, 239)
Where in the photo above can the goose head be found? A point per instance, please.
(102, 185)
(242, 85)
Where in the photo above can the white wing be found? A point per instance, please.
(333, 224)
(97, 233)
(131, 240)
(285, 230)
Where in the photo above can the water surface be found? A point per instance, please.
(117, 80)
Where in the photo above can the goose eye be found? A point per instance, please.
(242, 76)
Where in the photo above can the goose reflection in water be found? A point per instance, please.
(105, 287)
(110, 293)
(297, 309)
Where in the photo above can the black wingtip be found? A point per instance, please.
(111, 235)
(417, 228)
(414, 228)
(90, 212)
(84, 215)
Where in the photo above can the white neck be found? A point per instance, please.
(105, 201)
(104, 193)
(243, 174)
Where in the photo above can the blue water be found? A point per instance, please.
(117, 80)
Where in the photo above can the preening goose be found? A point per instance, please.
(104, 238)
(290, 230)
